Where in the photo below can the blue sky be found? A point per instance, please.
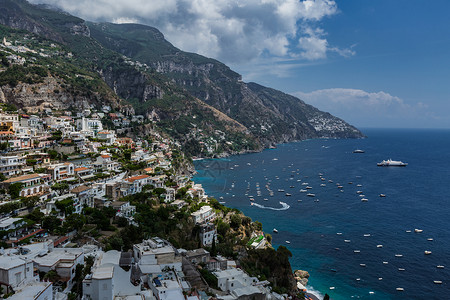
(374, 63)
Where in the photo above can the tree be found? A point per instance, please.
(51, 276)
(14, 189)
(269, 238)
(235, 221)
(30, 202)
(51, 223)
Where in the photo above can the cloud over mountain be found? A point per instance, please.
(229, 30)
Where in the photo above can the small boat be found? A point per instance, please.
(316, 200)
(382, 195)
(275, 230)
(437, 281)
(287, 194)
(392, 163)
(350, 182)
(380, 246)
(398, 255)
(371, 292)
(332, 287)
(358, 279)
(427, 252)
(305, 183)
(287, 242)
(330, 181)
(265, 199)
(252, 199)
(385, 262)
(308, 187)
(303, 191)
(364, 199)
(280, 190)
(401, 269)
(380, 278)
(359, 192)
(440, 267)
(333, 270)
(323, 184)
(400, 289)
(367, 234)
(299, 200)
(362, 265)
(340, 186)
(356, 251)
(347, 241)
(358, 151)
(430, 239)
(418, 230)
(339, 233)
(310, 195)
(408, 231)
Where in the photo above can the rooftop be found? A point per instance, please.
(22, 178)
(139, 177)
(104, 272)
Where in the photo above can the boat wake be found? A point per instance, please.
(284, 205)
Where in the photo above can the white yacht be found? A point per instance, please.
(392, 163)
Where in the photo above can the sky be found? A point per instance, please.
(374, 63)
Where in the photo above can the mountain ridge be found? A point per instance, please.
(147, 72)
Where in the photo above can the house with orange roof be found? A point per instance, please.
(104, 162)
(108, 136)
(84, 172)
(136, 183)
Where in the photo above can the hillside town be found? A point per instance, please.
(89, 213)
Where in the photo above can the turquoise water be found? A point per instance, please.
(417, 196)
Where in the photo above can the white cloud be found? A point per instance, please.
(372, 109)
(229, 30)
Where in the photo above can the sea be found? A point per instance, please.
(352, 249)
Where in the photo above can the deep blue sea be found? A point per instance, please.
(324, 234)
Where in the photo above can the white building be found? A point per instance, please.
(32, 184)
(34, 290)
(11, 165)
(208, 233)
(89, 126)
(240, 286)
(62, 171)
(204, 214)
(135, 184)
(63, 260)
(153, 255)
(109, 281)
(15, 271)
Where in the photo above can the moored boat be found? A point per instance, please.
(358, 151)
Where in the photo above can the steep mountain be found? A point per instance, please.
(135, 66)
(271, 115)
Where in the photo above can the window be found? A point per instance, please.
(18, 277)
